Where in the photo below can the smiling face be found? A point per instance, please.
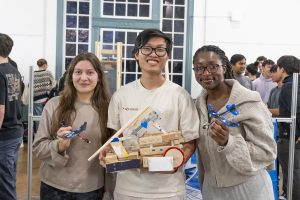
(206, 79)
(84, 77)
(152, 64)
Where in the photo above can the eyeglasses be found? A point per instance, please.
(159, 51)
(211, 68)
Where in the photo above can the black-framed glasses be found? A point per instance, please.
(159, 51)
(211, 68)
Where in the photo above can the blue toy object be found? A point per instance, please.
(76, 133)
(231, 108)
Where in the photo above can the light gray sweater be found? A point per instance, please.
(250, 147)
(71, 172)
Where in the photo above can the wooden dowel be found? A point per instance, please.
(131, 122)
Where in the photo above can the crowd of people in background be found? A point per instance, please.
(232, 161)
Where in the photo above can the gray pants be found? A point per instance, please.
(258, 187)
(283, 158)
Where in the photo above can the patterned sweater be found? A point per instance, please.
(43, 82)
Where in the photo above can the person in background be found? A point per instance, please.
(259, 61)
(11, 61)
(65, 172)
(151, 52)
(289, 65)
(238, 63)
(43, 82)
(252, 71)
(234, 158)
(277, 77)
(264, 84)
(11, 128)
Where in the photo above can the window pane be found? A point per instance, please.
(120, 9)
(169, 36)
(132, 0)
(129, 78)
(107, 36)
(178, 40)
(67, 62)
(168, 11)
(144, 1)
(84, 7)
(131, 36)
(83, 48)
(121, 0)
(167, 25)
(144, 10)
(178, 53)
(108, 9)
(179, 2)
(130, 66)
(107, 46)
(179, 26)
(72, 7)
(83, 36)
(177, 79)
(70, 49)
(129, 51)
(132, 10)
(120, 37)
(83, 22)
(179, 12)
(71, 21)
(70, 35)
(177, 67)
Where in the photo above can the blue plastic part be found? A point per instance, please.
(144, 124)
(230, 108)
(115, 140)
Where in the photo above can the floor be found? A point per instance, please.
(22, 176)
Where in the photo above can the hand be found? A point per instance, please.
(219, 132)
(298, 140)
(63, 144)
(102, 156)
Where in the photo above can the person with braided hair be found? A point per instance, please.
(233, 159)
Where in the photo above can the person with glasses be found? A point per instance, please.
(177, 111)
(233, 158)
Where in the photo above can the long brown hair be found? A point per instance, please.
(66, 112)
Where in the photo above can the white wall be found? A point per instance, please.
(32, 26)
(249, 27)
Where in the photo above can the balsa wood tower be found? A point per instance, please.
(111, 57)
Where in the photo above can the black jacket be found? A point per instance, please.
(285, 104)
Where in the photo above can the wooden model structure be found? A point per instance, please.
(106, 58)
(161, 151)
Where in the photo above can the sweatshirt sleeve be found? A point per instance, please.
(255, 148)
(189, 118)
(45, 146)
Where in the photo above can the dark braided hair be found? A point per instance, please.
(211, 48)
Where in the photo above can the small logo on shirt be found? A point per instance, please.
(130, 109)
